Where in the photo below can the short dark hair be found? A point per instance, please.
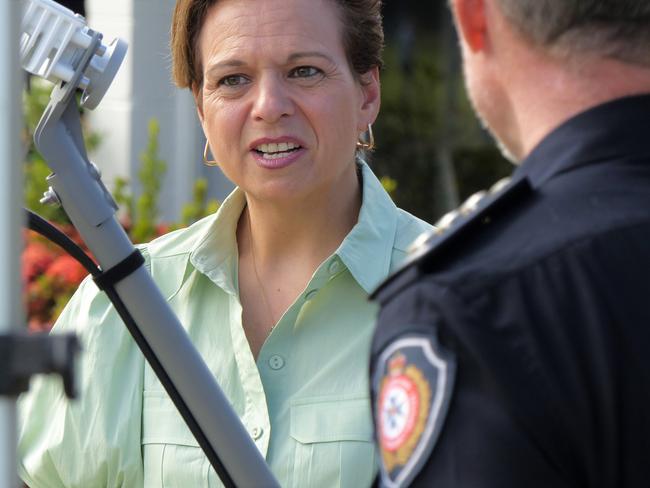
(363, 37)
(617, 29)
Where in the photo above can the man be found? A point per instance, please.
(514, 348)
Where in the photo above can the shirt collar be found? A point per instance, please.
(215, 253)
(366, 251)
(609, 131)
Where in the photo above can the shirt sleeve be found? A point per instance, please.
(93, 440)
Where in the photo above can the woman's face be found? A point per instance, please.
(279, 104)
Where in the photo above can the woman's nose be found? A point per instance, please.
(272, 100)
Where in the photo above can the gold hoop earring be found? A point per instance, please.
(366, 140)
(206, 161)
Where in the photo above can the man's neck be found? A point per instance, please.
(563, 90)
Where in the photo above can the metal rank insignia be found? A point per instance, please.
(414, 381)
(456, 218)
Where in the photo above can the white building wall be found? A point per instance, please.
(143, 90)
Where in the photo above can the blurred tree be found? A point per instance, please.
(428, 138)
(150, 174)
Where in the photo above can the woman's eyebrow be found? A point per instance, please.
(308, 54)
(292, 58)
(226, 63)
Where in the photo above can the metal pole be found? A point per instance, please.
(10, 201)
(77, 185)
(85, 200)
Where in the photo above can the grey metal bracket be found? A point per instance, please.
(25, 355)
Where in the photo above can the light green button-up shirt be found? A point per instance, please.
(305, 401)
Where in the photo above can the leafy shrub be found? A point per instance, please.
(50, 276)
(426, 127)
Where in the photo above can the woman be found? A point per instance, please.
(272, 288)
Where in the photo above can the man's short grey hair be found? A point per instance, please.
(618, 29)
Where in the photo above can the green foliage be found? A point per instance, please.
(389, 184)
(49, 275)
(200, 206)
(425, 117)
(151, 175)
(141, 216)
(122, 196)
(35, 99)
(36, 172)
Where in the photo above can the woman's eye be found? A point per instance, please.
(233, 80)
(304, 72)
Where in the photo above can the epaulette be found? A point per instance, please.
(477, 211)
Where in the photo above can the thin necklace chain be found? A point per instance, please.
(257, 276)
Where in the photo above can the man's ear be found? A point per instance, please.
(197, 91)
(471, 22)
(371, 90)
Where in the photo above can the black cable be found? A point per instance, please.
(38, 224)
(169, 386)
(47, 230)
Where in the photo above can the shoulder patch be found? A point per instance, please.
(414, 381)
(473, 214)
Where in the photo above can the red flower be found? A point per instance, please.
(36, 258)
(38, 298)
(162, 229)
(37, 325)
(66, 270)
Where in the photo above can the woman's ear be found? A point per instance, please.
(371, 91)
(471, 22)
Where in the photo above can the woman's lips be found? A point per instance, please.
(283, 161)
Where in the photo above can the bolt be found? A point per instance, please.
(50, 198)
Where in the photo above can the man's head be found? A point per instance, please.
(618, 29)
(530, 64)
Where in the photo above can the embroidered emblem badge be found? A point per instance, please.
(413, 385)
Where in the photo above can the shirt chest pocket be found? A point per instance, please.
(333, 443)
(171, 456)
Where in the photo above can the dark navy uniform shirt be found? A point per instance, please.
(514, 349)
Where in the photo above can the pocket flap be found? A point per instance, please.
(161, 422)
(329, 420)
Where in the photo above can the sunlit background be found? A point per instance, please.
(431, 152)
(428, 140)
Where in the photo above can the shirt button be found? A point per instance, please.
(334, 266)
(310, 294)
(276, 362)
(257, 432)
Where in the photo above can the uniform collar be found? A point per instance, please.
(366, 251)
(606, 132)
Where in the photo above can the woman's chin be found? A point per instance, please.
(279, 191)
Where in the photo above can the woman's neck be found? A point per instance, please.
(280, 247)
(306, 231)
